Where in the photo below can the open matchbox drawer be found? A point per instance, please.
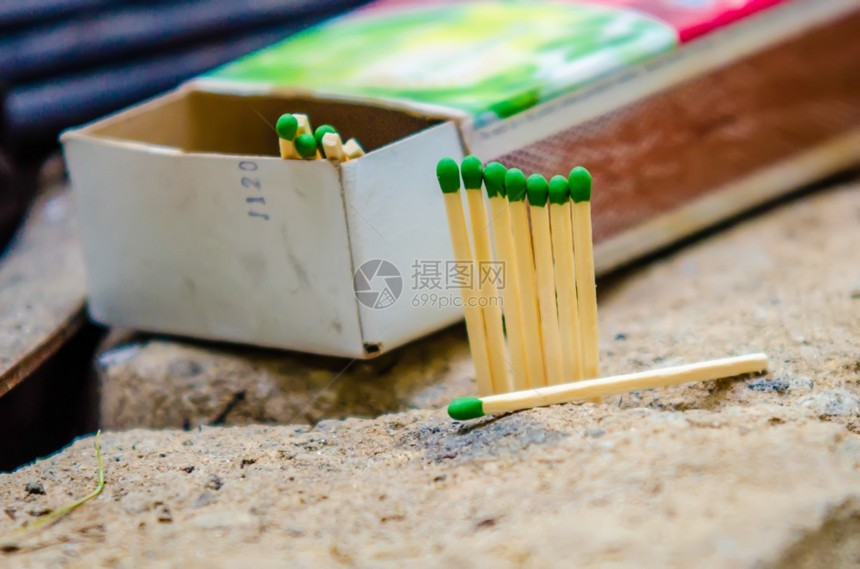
(191, 224)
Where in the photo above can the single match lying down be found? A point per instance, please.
(466, 408)
(298, 140)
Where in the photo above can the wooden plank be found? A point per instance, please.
(42, 288)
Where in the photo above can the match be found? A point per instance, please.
(472, 171)
(537, 190)
(353, 149)
(565, 276)
(304, 124)
(466, 408)
(287, 127)
(494, 181)
(515, 190)
(586, 286)
(332, 147)
(306, 146)
(448, 174)
(319, 133)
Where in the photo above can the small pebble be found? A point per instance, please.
(214, 482)
(35, 488)
(487, 523)
(164, 515)
(764, 385)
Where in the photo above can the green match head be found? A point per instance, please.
(559, 191)
(472, 170)
(321, 131)
(537, 189)
(466, 408)
(306, 145)
(515, 185)
(287, 126)
(449, 176)
(580, 184)
(494, 179)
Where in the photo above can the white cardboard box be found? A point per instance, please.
(248, 248)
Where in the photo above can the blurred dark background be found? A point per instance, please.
(66, 62)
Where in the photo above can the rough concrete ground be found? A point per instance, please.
(760, 472)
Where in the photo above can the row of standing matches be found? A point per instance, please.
(542, 235)
(298, 140)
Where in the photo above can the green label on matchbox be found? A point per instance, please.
(487, 59)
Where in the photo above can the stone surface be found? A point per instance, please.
(767, 486)
(171, 383)
(760, 472)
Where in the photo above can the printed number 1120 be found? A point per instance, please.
(251, 182)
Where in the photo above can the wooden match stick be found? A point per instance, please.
(494, 180)
(538, 193)
(286, 127)
(448, 175)
(353, 149)
(515, 190)
(473, 407)
(306, 146)
(565, 276)
(333, 147)
(304, 124)
(472, 171)
(586, 287)
(321, 131)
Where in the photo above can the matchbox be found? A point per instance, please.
(191, 224)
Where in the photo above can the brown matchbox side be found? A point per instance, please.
(671, 149)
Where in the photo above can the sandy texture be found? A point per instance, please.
(630, 488)
(761, 472)
(171, 383)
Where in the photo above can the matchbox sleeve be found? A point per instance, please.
(483, 60)
(691, 18)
